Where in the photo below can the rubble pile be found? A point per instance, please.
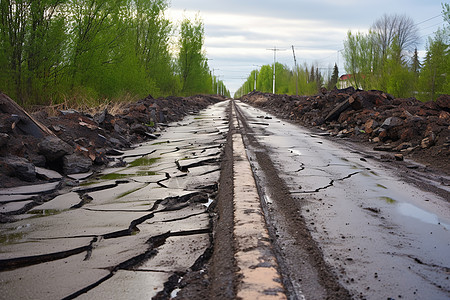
(404, 127)
(37, 148)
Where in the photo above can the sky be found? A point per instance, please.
(239, 34)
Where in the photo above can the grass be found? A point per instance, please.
(144, 161)
(86, 104)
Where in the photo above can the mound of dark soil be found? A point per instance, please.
(75, 142)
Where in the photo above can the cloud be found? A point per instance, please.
(238, 33)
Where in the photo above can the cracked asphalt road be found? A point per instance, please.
(128, 232)
(340, 224)
(369, 233)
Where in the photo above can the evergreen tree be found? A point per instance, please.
(433, 79)
(334, 78)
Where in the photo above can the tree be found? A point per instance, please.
(361, 59)
(395, 27)
(433, 79)
(193, 68)
(334, 78)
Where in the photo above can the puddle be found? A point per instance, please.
(174, 293)
(296, 152)
(412, 211)
(208, 203)
(267, 199)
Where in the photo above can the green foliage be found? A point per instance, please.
(376, 61)
(433, 79)
(192, 63)
(308, 83)
(51, 50)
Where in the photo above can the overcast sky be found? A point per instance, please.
(239, 32)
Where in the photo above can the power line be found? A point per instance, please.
(430, 19)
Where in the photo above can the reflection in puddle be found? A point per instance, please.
(388, 199)
(296, 152)
(382, 186)
(267, 199)
(410, 210)
(208, 203)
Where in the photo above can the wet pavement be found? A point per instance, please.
(383, 237)
(122, 233)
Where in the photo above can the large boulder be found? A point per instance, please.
(75, 164)
(18, 167)
(53, 148)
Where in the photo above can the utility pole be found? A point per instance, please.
(275, 49)
(296, 71)
(256, 71)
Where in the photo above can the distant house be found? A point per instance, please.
(344, 81)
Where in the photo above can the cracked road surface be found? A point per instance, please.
(183, 216)
(129, 232)
(369, 234)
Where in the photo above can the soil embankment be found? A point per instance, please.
(35, 146)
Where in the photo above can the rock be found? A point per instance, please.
(398, 157)
(427, 142)
(100, 118)
(18, 167)
(54, 148)
(3, 139)
(403, 146)
(75, 164)
(341, 107)
(391, 122)
(383, 148)
(443, 102)
(370, 126)
(47, 174)
(138, 129)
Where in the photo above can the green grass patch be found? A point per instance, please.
(144, 161)
(10, 238)
(382, 186)
(114, 176)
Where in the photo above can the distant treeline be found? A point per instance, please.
(385, 59)
(55, 50)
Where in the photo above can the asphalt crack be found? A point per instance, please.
(326, 186)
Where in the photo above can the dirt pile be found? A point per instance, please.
(37, 148)
(404, 127)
